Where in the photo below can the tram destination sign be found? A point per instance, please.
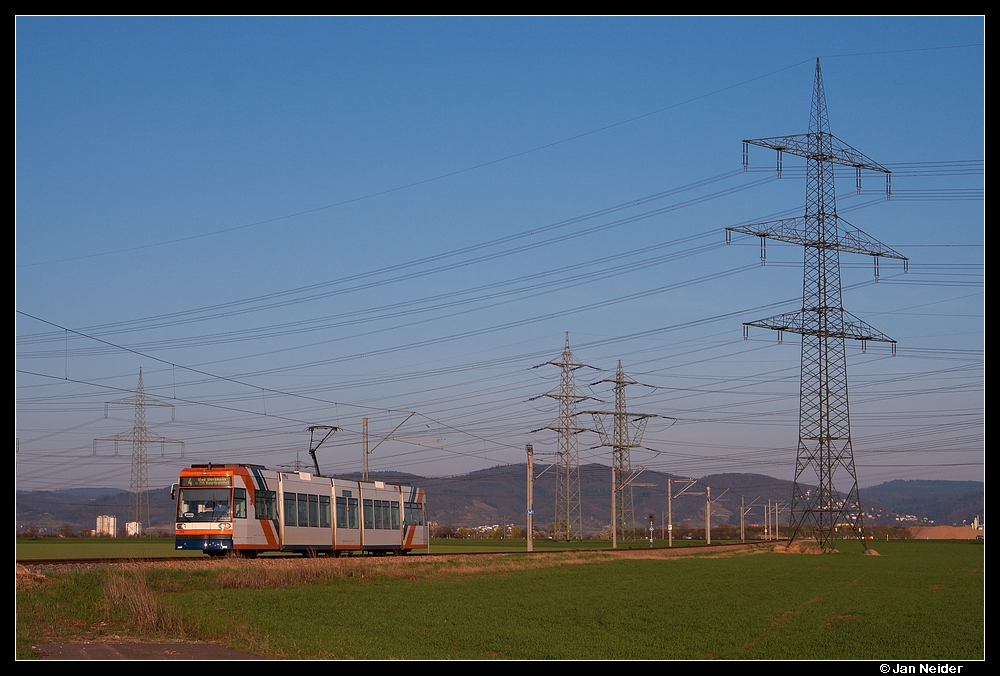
(206, 481)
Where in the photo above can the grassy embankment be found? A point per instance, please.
(106, 548)
(919, 600)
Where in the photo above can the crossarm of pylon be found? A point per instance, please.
(859, 330)
(568, 430)
(793, 230)
(829, 149)
(792, 322)
(160, 439)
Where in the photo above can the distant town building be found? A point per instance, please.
(133, 529)
(107, 526)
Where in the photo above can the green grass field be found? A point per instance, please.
(918, 600)
(95, 548)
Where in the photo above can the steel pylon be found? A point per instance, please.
(626, 433)
(140, 436)
(825, 492)
(568, 521)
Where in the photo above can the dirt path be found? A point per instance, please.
(139, 651)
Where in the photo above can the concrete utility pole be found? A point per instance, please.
(708, 515)
(825, 452)
(777, 527)
(744, 510)
(364, 449)
(670, 515)
(614, 515)
(531, 498)
(364, 443)
(670, 506)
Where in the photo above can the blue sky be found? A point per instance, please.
(291, 222)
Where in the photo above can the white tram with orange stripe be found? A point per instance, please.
(248, 510)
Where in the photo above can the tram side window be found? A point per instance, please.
(324, 511)
(352, 513)
(303, 510)
(381, 514)
(240, 503)
(314, 511)
(413, 513)
(265, 505)
(369, 514)
(341, 512)
(290, 509)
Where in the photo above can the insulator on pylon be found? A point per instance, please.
(875, 258)
(779, 164)
(893, 348)
(746, 336)
(780, 336)
(864, 346)
(729, 237)
(746, 156)
(888, 186)
(857, 177)
(763, 250)
(906, 266)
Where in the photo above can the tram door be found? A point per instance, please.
(347, 534)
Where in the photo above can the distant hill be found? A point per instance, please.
(495, 495)
(47, 511)
(944, 502)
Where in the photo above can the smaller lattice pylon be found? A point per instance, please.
(567, 524)
(626, 433)
(140, 437)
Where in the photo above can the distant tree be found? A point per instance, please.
(86, 532)
(443, 532)
(66, 531)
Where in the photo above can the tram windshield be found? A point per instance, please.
(204, 504)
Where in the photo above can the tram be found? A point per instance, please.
(246, 510)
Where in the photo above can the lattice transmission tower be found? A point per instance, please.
(140, 436)
(626, 433)
(825, 455)
(568, 521)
